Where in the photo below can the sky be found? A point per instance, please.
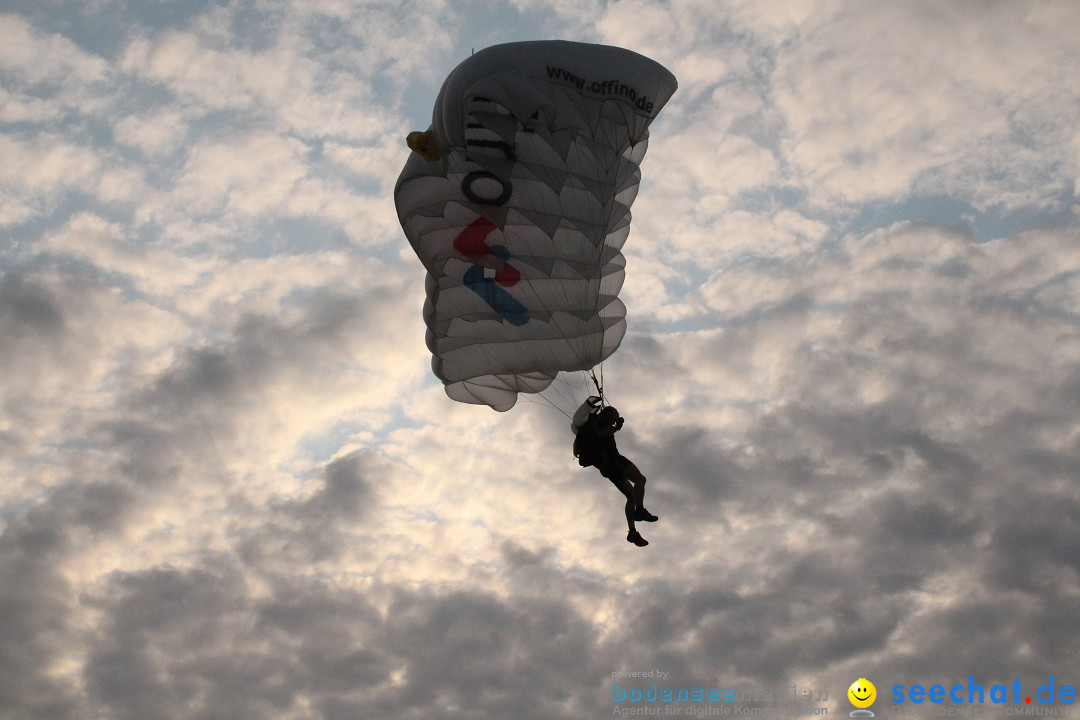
(230, 486)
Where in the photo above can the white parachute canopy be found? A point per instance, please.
(517, 201)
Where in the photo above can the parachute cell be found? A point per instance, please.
(517, 201)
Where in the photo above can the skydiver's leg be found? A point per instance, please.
(632, 474)
(628, 490)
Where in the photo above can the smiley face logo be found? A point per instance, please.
(862, 693)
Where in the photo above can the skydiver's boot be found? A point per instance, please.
(642, 514)
(635, 537)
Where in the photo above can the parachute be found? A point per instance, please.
(591, 406)
(517, 202)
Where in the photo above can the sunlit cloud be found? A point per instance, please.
(231, 485)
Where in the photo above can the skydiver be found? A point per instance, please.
(596, 446)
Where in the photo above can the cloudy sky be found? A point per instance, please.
(231, 488)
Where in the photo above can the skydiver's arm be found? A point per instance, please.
(610, 430)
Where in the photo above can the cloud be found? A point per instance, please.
(104, 246)
(231, 486)
(869, 113)
(37, 171)
(182, 642)
(39, 606)
(65, 336)
(35, 58)
(154, 134)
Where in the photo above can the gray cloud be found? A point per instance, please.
(37, 605)
(230, 488)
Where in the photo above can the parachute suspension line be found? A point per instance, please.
(528, 398)
(599, 383)
(569, 394)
